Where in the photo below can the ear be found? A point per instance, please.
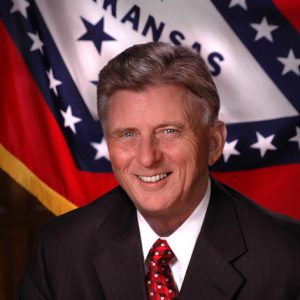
(217, 138)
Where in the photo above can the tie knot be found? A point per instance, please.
(161, 253)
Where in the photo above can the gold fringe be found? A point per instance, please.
(52, 200)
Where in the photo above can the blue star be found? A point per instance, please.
(96, 34)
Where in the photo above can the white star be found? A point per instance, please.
(20, 5)
(291, 63)
(264, 30)
(229, 149)
(296, 138)
(37, 43)
(263, 143)
(241, 3)
(102, 150)
(53, 83)
(70, 120)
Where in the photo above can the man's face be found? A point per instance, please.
(160, 149)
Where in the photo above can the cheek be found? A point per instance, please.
(181, 154)
(195, 155)
(120, 157)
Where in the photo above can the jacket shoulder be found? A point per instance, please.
(89, 218)
(262, 224)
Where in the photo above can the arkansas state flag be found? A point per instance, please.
(51, 53)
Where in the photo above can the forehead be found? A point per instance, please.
(153, 103)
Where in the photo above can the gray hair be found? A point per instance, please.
(152, 64)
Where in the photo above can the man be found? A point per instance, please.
(169, 231)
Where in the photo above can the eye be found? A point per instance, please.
(127, 134)
(169, 131)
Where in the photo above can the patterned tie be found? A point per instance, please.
(159, 280)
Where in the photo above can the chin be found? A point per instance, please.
(153, 209)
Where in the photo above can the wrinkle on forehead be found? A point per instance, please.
(191, 107)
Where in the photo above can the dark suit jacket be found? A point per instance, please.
(95, 253)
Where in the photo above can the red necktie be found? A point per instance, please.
(159, 280)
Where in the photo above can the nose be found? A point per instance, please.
(148, 152)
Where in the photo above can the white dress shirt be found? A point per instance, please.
(182, 241)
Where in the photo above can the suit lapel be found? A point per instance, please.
(119, 263)
(211, 274)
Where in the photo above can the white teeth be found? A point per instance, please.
(153, 178)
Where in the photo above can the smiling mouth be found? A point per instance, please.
(154, 178)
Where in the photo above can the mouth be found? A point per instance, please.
(154, 178)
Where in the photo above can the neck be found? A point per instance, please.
(164, 225)
(164, 228)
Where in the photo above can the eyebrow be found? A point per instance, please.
(166, 124)
(119, 130)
